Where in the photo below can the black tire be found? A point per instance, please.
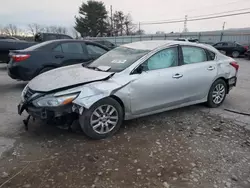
(85, 119)
(235, 54)
(46, 69)
(210, 103)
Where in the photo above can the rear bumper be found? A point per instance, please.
(232, 83)
(247, 54)
(18, 73)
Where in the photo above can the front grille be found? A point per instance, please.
(28, 93)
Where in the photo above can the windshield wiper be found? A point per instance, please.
(100, 68)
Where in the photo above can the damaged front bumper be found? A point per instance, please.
(45, 113)
(61, 115)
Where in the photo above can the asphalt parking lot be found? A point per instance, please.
(189, 147)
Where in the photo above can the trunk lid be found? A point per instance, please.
(66, 77)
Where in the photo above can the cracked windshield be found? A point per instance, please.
(125, 94)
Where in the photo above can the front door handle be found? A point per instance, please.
(211, 68)
(177, 76)
(59, 56)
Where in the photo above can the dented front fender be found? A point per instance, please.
(96, 91)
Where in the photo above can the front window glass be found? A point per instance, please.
(119, 58)
(163, 59)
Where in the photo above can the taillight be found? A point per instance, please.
(235, 65)
(246, 47)
(20, 57)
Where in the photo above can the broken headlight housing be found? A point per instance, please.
(54, 101)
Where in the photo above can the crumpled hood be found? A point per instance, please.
(66, 77)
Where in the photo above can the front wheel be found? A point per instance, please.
(103, 119)
(217, 93)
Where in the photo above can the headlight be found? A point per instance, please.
(23, 92)
(52, 101)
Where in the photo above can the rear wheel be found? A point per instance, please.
(235, 54)
(217, 93)
(103, 119)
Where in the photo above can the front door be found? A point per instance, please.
(157, 87)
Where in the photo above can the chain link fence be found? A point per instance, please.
(242, 37)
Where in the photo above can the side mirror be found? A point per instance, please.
(139, 69)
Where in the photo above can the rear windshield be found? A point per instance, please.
(37, 46)
(119, 58)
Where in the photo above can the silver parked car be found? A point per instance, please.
(131, 81)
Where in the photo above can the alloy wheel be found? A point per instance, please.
(104, 119)
(219, 93)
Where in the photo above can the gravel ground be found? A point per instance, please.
(185, 148)
(182, 148)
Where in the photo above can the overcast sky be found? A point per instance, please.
(59, 12)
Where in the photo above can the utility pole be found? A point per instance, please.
(223, 27)
(111, 19)
(139, 27)
(185, 24)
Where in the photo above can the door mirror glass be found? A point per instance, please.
(140, 69)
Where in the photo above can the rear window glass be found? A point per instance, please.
(72, 47)
(37, 46)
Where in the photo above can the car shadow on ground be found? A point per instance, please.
(41, 130)
(12, 87)
(3, 68)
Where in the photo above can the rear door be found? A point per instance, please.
(70, 53)
(199, 70)
(230, 47)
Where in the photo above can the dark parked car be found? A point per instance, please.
(231, 48)
(30, 62)
(42, 37)
(10, 43)
(4, 37)
(187, 39)
(247, 54)
(106, 43)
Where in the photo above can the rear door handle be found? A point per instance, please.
(59, 56)
(211, 68)
(177, 76)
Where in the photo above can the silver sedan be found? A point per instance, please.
(131, 81)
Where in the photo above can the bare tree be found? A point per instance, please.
(56, 29)
(75, 33)
(129, 26)
(35, 28)
(61, 30)
(11, 30)
(1, 30)
(119, 19)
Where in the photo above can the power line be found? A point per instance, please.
(197, 19)
(213, 6)
(221, 12)
(212, 14)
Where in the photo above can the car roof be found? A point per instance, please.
(154, 44)
(67, 40)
